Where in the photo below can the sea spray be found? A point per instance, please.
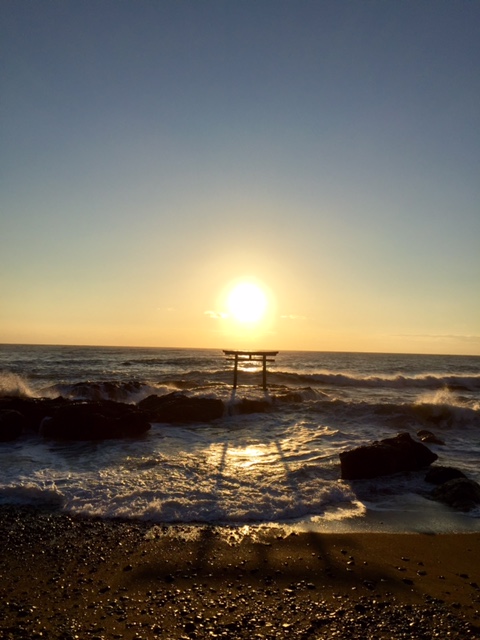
(12, 384)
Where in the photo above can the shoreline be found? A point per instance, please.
(66, 577)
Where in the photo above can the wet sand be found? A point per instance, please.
(66, 578)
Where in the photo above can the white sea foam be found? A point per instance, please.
(29, 493)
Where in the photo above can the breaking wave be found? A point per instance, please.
(11, 384)
(427, 381)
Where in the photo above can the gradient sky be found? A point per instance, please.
(153, 153)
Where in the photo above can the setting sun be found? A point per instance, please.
(247, 302)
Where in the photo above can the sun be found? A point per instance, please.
(247, 302)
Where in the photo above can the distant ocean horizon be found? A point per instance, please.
(279, 468)
(233, 346)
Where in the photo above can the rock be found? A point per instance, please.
(246, 406)
(67, 419)
(34, 410)
(95, 421)
(385, 457)
(177, 408)
(460, 493)
(107, 390)
(131, 424)
(428, 436)
(289, 396)
(440, 475)
(12, 424)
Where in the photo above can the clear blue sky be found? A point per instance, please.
(153, 153)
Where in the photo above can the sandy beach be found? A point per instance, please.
(64, 577)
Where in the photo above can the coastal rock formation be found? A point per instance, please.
(460, 493)
(107, 390)
(428, 436)
(32, 410)
(453, 488)
(385, 457)
(245, 406)
(12, 424)
(177, 408)
(439, 475)
(95, 421)
(65, 419)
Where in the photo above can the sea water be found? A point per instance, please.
(279, 468)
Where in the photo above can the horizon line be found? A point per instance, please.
(117, 346)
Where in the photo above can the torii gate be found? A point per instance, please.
(254, 356)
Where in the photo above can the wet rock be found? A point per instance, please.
(98, 391)
(460, 493)
(439, 475)
(385, 457)
(428, 436)
(33, 410)
(177, 408)
(246, 406)
(290, 396)
(95, 421)
(12, 424)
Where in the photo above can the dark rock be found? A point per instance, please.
(34, 410)
(177, 408)
(460, 493)
(12, 424)
(290, 396)
(385, 457)
(428, 436)
(98, 391)
(95, 421)
(440, 475)
(131, 424)
(246, 406)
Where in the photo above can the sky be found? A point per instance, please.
(155, 154)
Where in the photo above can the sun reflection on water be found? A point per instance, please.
(248, 456)
(242, 456)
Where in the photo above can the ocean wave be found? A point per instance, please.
(31, 494)
(202, 507)
(426, 381)
(176, 362)
(130, 392)
(433, 412)
(445, 416)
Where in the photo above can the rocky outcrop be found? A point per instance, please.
(65, 419)
(428, 436)
(33, 410)
(178, 408)
(439, 475)
(289, 396)
(108, 390)
(453, 488)
(385, 457)
(95, 421)
(460, 493)
(12, 424)
(245, 406)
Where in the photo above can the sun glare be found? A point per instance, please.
(247, 302)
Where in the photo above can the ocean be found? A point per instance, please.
(277, 469)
